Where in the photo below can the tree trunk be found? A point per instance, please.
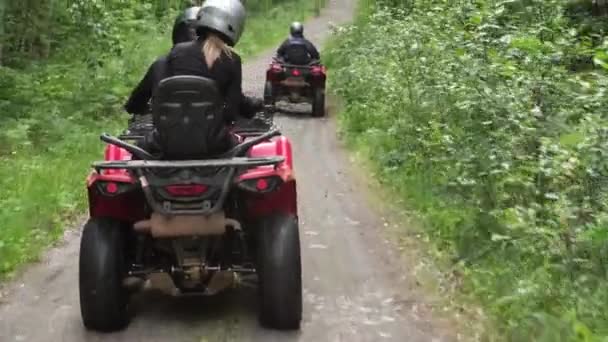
(318, 5)
(46, 40)
(600, 7)
(2, 35)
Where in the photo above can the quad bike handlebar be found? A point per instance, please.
(136, 151)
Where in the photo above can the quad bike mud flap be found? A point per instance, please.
(161, 226)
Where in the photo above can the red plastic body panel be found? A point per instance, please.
(285, 198)
(274, 72)
(130, 206)
(127, 207)
(318, 76)
(280, 146)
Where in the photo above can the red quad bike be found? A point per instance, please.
(209, 224)
(296, 83)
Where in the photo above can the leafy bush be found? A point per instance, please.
(53, 112)
(472, 110)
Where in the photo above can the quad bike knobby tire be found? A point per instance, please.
(269, 94)
(318, 103)
(103, 299)
(280, 273)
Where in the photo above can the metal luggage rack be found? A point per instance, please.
(141, 125)
(261, 123)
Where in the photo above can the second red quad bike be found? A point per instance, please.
(210, 224)
(296, 84)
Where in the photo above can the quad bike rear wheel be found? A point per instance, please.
(318, 103)
(268, 94)
(103, 299)
(280, 273)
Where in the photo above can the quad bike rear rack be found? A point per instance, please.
(139, 126)
(288, 65)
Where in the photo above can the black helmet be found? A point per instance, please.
(297, 30)
(184, 28)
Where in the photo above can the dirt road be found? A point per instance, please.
(355, 288)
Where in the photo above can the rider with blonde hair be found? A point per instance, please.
(219, 26)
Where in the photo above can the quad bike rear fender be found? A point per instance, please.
(124, 201)
(284, 198)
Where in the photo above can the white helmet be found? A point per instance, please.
(226, 17)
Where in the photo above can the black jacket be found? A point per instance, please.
(187, 59)
(310, 48)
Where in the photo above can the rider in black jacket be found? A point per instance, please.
(297, 49)
(185, 31)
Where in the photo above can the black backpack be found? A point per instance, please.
(188, 118)
(297, 54)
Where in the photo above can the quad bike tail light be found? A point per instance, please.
(261, 185)
(186, 190)
(296, 72)
(276, 68)
(317, 70)
(114, 188)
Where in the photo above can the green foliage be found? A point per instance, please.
(473, 111)
(55, 104)
(53, 114)
(46, 28)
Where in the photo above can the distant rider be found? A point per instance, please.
(297, 49)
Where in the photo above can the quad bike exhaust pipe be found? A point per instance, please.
(161, 226)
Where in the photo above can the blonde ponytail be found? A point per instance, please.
(213, 47)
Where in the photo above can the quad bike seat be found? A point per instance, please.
(187, 118)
